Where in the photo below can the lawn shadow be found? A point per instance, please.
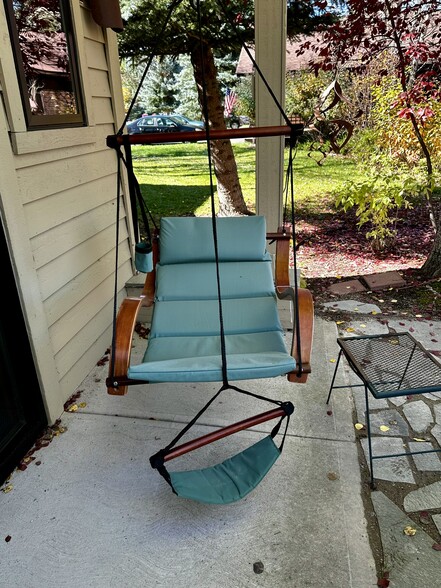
(165, 200)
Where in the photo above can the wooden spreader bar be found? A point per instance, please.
(229, 430)
(193, 136)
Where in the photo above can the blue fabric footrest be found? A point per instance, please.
(230, 480)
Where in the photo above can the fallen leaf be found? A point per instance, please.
(383, 582)
(436, 546)
(418, 439)
(409, 531)
(374, 312)
(332, 476)
(332, 360)
(7, 488)
(350, 330)
(73, 408)
(339, 322)
(82, 404)
(424, 517)
(363, 326)
(359, 426)
(384, 428)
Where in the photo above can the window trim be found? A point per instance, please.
(44, 121)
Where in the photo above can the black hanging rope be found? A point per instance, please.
(255, 64)
(212, 201)
(289, 189)
(157, 460)
(174, 4)
(115, 288)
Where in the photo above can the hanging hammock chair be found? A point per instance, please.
(214, 294)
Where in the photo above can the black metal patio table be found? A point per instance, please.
(389, 365)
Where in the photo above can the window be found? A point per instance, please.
(45, 56)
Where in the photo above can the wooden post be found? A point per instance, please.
(270, 38)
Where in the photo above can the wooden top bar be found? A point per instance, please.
(194, 136)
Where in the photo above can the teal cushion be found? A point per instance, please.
(197, 281)
(170, 348)
(228, 481)
(190, 239)
(201, 317)
(198, 359)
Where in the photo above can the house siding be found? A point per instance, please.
(63, 183)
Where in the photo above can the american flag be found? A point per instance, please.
(230, 101)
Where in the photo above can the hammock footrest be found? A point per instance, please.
(230, 480)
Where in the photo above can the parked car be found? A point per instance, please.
(186, 121)
(158, 124)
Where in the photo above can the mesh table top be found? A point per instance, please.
(392, 365)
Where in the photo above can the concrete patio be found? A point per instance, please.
(94, 514)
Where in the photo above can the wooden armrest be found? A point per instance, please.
(125, 326)
(281, 270)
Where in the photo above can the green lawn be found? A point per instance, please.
(175, 180)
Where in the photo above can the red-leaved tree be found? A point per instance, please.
(410, 31)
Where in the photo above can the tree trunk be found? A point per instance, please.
(231, 201)
(432, 265)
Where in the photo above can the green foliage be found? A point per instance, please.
(377, 200)
(186, 90)
(303, 90)
(394, 130)
(161, 85)
(245, 103)
(389, 152)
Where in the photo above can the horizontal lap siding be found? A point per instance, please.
(69, 199)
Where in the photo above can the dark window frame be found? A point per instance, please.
(46, 121)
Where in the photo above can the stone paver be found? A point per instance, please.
(398, 400)
(391, 419)
(418, 415)
(437, 520)
(392, 469)
(353, 306)
(427, 332)
(425, 462)
(347, 287)
(436, 432)
(424, 498)
(384, 280)
(409, 559)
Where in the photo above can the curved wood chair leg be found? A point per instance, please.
(306, 325)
